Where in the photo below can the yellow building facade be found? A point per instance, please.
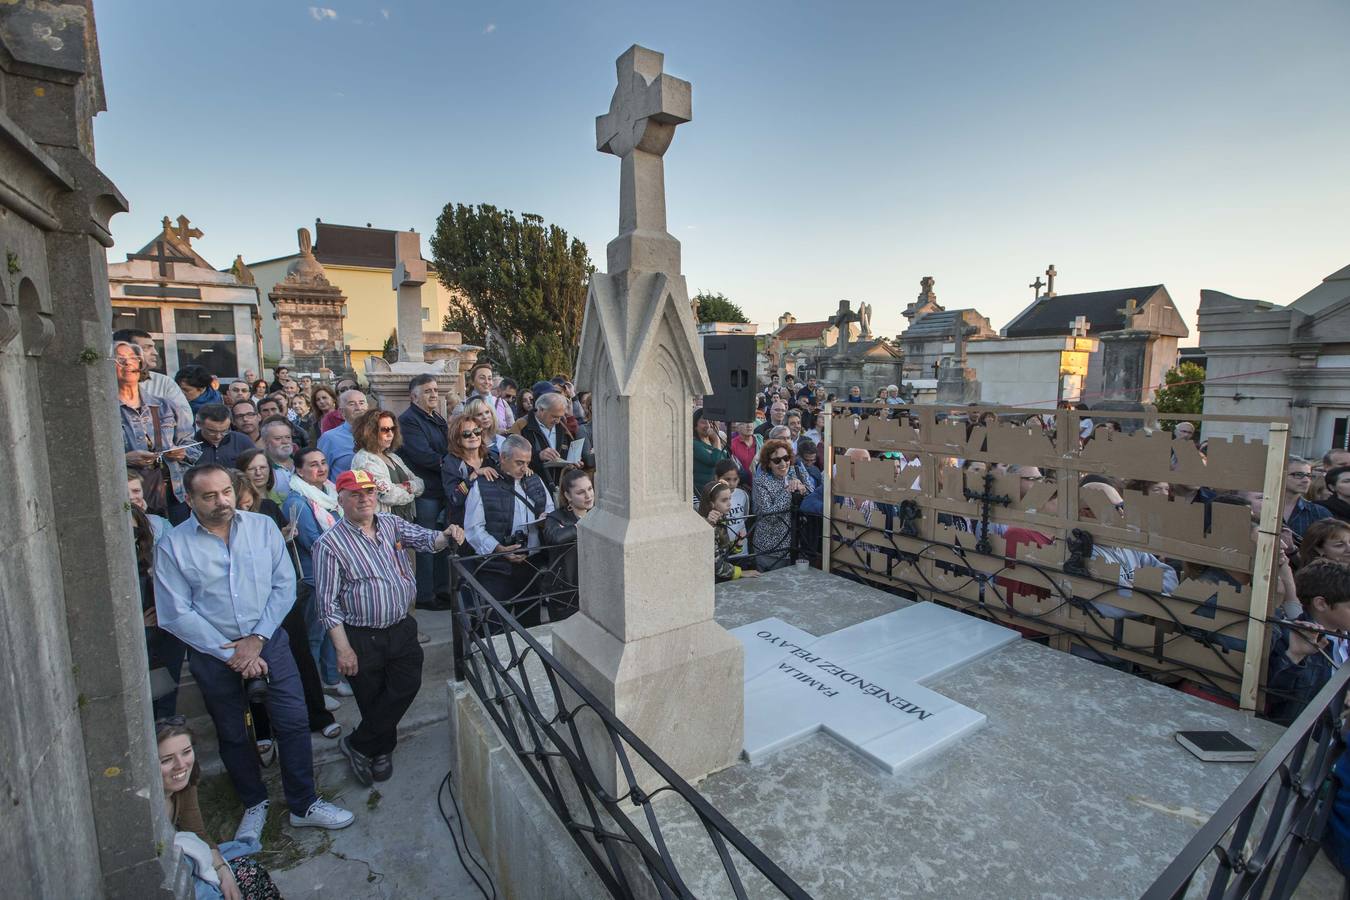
(360, 262)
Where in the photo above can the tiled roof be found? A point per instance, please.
(802, 331)
(1051, 316)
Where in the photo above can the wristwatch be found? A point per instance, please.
(261, 637)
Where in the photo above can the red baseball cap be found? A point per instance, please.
(356, 480)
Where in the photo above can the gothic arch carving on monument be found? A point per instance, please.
(35, 323)
(662, 480)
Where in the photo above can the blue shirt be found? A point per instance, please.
(1305, 514)
(208, 593)
(338, 448)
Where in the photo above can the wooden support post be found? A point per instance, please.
(1263, 566)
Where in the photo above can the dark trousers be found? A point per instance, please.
(165, 652)
(506, 585)
(433, 569)
(388, 676)
(297, 633)
(223, 691)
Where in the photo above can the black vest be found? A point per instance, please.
(499, 503)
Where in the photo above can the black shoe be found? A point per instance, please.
(381, 767)
(360, 762)
(439, 603)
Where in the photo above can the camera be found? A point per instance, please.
(519, 538)
(256, 689)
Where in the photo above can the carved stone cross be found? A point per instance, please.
(1079, 326)
(841, 319)
(185, 232)
(646, 107)
(1036, 287)
(1130, 310)
(1050, 274)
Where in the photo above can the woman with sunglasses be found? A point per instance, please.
(468, 457)
(479, 411)
(376, 437)
(775, 484)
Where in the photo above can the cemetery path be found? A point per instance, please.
(398, 846)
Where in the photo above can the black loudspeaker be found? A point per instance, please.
(730, 359)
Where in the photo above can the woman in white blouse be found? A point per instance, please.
(376, 437)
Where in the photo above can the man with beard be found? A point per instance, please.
(223, 585)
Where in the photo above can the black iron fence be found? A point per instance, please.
(535, 704)
(1262, 839)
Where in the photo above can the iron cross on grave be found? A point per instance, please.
(862, 685)
(162, 257)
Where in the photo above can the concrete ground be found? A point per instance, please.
(399, 846)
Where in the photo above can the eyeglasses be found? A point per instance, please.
(779, 459)
(1300, 474)
(387, 429)
(477, 432)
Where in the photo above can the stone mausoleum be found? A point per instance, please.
(196, 314)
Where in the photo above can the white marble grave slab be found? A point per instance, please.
(862, 684)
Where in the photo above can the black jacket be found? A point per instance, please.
(425, 440)
(560, 528)
(533, 433)
(227, 453)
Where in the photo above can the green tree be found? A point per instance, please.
(519, 285)
(1183, 393)
(717, 308)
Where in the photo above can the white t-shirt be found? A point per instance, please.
(740, 508)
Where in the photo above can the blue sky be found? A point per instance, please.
(838, 150)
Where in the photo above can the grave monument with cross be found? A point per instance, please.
(648, 649)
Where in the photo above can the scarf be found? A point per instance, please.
(323, 503)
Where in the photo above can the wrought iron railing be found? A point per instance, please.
(1262, 839)
(535, 704)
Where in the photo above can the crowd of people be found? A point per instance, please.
(286, 532)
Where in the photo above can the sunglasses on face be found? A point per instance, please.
(779, 459)
(477, 432)
(386, 429)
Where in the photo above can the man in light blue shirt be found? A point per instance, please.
(223, 583)
(337, 444)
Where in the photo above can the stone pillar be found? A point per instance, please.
(410, 273)
(83, 811)
(645, 642)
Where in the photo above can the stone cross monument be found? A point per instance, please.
(645, 642)
(410, 273)
(842, 318)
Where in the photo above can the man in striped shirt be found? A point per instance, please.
(365, 585)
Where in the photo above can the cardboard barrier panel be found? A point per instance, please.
(1032, 571)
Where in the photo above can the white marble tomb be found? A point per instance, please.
(863, 684)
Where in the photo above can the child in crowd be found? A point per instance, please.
(715, 507)
(739, 504)
(1301, 658)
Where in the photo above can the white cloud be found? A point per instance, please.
(491, 27)
(320, 13)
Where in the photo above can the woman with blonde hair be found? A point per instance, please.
(478, 411)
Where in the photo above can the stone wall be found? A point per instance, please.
(82, 812)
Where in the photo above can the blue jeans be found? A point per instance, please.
(223, 691)
(433, 569)
(229, 851)
(320, 644)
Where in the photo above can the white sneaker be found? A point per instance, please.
(331, 703)
(344, 689)
(322, 814)
(252, 822)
